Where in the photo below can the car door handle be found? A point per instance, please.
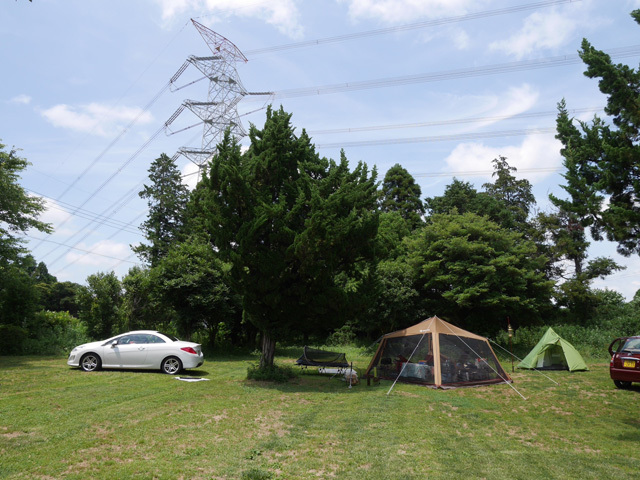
(141, 348)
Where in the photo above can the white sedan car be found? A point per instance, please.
(144, 349)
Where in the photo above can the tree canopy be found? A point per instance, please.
(294, 227)
(19, 211)
(603, 160)
(167, 198)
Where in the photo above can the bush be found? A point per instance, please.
(53, 333)
(11, 339)
(274, 373)
(342, 336)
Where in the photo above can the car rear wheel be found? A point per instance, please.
(621, 384)
(171, 365)
(90, 362)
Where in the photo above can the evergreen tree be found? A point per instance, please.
(514, 194)
(167, 199)
(400, 193)
(297, 229)
(602, 160)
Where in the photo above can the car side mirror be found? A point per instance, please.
(114, 343)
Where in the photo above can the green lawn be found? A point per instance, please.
(57, 422)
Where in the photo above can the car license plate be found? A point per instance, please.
(629, 364)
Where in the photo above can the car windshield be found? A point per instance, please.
(632, 345)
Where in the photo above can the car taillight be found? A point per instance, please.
(189, 350)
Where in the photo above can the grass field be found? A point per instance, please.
(57, 422)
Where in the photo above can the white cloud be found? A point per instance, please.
(103, 253)
(514, 101)
(537, 157)
(21, 99)
(282, 14)
(54, 214)
(95, 118)
(396, 11)
(190, 175)
(540, 31)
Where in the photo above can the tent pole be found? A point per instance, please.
(405, 363)
(518, 358)
(497, 373)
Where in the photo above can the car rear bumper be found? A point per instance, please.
(192, 361)
(624, 375)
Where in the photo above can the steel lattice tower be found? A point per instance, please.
(219, 112)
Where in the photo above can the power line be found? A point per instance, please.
(479, 173)
(84, 214)
(439, 138)
(522, 65)
(90, 252)
(79, 249)
(407, 27)
(454, 121)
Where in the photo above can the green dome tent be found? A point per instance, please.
(553, 353)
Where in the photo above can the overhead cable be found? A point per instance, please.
(407, 27)
(522, 65)
(453, 121)
(439, 138)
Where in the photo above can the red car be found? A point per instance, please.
(625, 361)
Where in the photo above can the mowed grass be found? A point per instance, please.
(58, 422)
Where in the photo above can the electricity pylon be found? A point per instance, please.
(219, 112)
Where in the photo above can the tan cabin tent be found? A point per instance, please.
(438, 354)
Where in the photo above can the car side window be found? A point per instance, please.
(155, 339)
(125, 340)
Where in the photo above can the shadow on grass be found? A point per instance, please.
(137, 371)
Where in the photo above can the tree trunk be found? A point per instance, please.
(268, 350)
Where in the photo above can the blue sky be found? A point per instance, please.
(440, 86)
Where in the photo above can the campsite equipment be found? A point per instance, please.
(313, 357)
(553, 352)
(438, 354)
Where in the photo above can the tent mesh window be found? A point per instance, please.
(466, 360)
(399, 356)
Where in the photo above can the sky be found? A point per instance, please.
(441, 87)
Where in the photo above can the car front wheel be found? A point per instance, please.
(90, 362)
(171, 365)
(621, 384)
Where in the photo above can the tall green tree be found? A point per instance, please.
(400, 193)
(19, 211)
(477, 273)
(296, 228)
(194, 282)
(462, 197)
(602, 159)
(167, 197)
(100, 304)
(142, 306)
(516, 195)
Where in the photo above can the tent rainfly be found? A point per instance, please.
(553, 352)
(438, 354)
